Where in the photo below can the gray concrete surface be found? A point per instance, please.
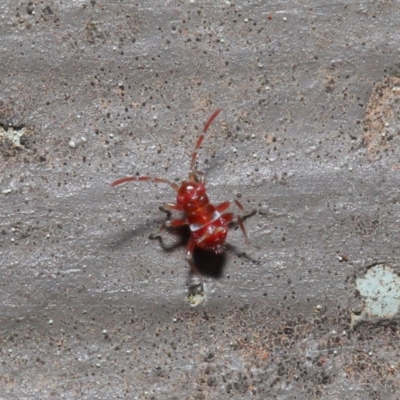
(309, 136)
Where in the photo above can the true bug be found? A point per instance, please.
(208, 223)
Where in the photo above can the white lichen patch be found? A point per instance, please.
(14, 135)
(380, 288)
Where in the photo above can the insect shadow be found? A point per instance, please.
(124, 238)
(207, 263)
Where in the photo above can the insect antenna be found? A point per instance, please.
(192, 172)
(145, 178)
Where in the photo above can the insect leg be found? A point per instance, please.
(173, 223)
(195, 278)
(246, 215)
(223, 206)
(243, 229)
(229, 217)
(189, 257)
(168, 207)
(240, 220)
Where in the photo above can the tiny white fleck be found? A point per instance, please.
(12, 239)
(72, 144)
(222, 40)
(318, 306)
(387, 124)
(234, 149)
(50, 322)
(284, 18)
(104, 330)
(6, 191)
(334, 351)
(334, 332)
(246, 20)
(12, 229)
(344, 333)
(174, 320)
(370, 353)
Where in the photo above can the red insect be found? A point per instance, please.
(208, 223)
